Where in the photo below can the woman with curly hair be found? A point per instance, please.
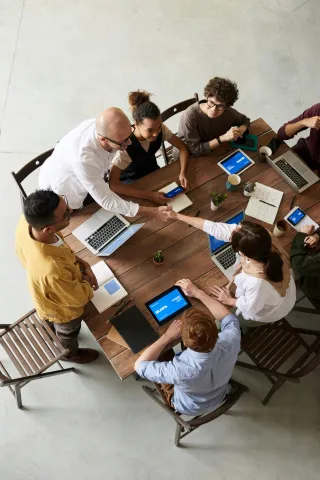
(207, 124)
(139, 158)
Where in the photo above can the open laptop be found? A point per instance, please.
(221, 252)
(294, 171)
(104, 232)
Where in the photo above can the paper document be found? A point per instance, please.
(264, 203)
(110, 290)
(178, 203)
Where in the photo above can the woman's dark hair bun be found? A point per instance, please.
(138, 97)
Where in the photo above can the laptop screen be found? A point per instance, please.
(215, 244)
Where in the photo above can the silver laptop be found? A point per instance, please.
(100, 230)
(294, 171)
(221, 252)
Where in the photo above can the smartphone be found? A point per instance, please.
(274, 144)
(173, 193)
(296, 217)
(245, 141)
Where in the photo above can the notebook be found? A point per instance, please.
(178, 203)
(264, 203)
(134, 329)
(110, 289)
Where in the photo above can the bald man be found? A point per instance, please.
(80, 161)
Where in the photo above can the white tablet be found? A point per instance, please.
(237, 162)
(297, 218)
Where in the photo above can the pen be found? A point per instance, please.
(196, 215)
(292, 201)
(262, 201)
(121, 307)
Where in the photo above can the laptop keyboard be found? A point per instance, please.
(107, 231)
(227, 258)
(291, 173)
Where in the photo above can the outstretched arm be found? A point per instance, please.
(124, 189)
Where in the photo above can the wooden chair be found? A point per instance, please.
(184, 427)
(170, 112)
(32, 347)
(314, 302)
(272, 345)
(30, 167)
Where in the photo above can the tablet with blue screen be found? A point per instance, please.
(236, 163)
(167, 305)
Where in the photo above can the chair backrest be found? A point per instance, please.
(27, 169)
(170, 112)
(31, 345)
(179, 107)
(237, 390)
(271, 345)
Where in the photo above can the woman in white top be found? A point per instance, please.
(139, 159)
(265, 288)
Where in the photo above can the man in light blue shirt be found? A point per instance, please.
(198, 377)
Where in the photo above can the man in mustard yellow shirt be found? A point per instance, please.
(60, 282)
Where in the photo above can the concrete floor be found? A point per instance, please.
(62, 61)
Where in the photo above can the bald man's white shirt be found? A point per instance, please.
(78, 166)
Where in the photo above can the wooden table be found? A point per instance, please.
(185, 248)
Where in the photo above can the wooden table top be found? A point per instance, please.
(185, 248)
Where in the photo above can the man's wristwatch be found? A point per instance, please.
(219, 141)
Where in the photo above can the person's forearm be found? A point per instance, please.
(291, 129)
(147, 211)
(194, 221)
(215, 307)
(154, 351)
(184, 156)
(82, 262)
(214, 143)
(123, 189)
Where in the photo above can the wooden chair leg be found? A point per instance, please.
(17, 394)
(177, 435)
(272, 391)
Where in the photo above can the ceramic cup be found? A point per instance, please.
(280, 228)
(233, 182)
(263, 153)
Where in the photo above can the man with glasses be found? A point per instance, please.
(80, 162)
(60, 283)
(211, 122)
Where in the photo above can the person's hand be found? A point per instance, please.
(311, 241)
(221, 294)
(231, 135)
(174, 331)
(90, 277)
(163, 213)
(173, 215)
(313, 122)
(183, 180)
(188, 288)
(158, 197)
(308, 229)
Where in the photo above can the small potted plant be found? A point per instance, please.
(249, 188)
(158, 258)
(217, 199)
